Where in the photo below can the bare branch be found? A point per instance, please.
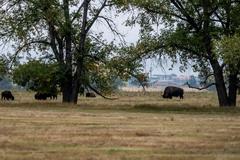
(32, 42)
(183, 11)
(96, 91)
(96, 16)
(206, 78)
(24, 46)
(76, 14)
(220, 20)
(148, 9)
(205, 87)
(113, 27)
(53, 37)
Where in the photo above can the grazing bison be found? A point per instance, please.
(172, 91)
(51, 95)
(40, 96)
(44, 96)
(90, 94)
(7, 95)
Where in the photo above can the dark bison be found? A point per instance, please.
(52, 95)
(44, 96)
(7, 95)
(172, 91)
(90, 94)
(40, 96)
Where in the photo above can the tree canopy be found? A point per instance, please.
(189, 29)
(37, 76)
(62, 31)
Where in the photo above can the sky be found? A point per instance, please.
(131, 36)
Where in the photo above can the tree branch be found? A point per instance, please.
(205, 87)
(32, 42)
(76, 14)
(24, 46)
(96, 91)
(112, 27)
(53, 37)
(182, 10)
(206, 78)
(96, 16)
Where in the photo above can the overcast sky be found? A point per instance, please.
(131, 36)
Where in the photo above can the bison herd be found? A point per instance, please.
(7, 95)
(44, 96)
(169, 92)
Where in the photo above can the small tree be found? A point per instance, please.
(37, 76)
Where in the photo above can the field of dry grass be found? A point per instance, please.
(133, 127)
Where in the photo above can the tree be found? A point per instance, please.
(228, 49)
(140, 79)
(189, 29)
(59, 30)
(37, 76)
(3, 67)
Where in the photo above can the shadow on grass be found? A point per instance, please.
(185, 109)
(144, 108)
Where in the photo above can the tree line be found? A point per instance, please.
(203, 31)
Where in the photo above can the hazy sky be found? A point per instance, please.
(131, 36)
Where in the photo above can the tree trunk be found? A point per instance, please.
(232, 89)
(75, 90)
(79, 56)
(67, 92)
(220, 84)
(217, 69)
(68, 82)
(67, 89)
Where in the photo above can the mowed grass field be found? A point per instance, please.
(133, 127)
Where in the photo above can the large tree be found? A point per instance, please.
(62, 30)
(190, 28)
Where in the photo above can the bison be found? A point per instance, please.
(7, 95)
(44, 96)
(172, 91)
(90, 94)
(51, 95)
(40, 96)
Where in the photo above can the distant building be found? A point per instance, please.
(169, 79)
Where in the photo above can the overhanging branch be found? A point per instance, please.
(24, 46)
(200, 88)
(206, 78)
(96, 16)
(96, 91)
(76, 14)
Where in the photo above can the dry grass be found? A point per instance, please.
(130, 128)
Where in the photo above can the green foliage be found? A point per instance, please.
(57, 30)
(229, 50)
(3, 67)
(37, 76)
(177, 28)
